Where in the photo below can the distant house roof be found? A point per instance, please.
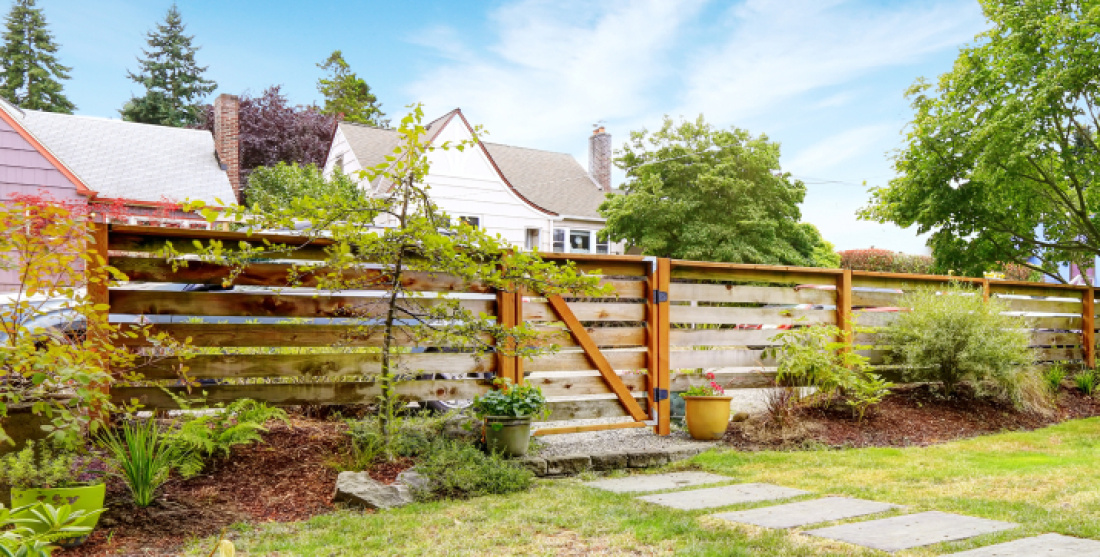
(125, 160)
(552, 182)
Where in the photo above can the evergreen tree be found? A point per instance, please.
(174, 86)
(32, 75)
(348, 94)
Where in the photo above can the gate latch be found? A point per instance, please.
(660, 394)
(660, 296)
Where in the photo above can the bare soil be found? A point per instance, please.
(915, 415)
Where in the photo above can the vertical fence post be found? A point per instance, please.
(1088, 326)
(985, 289)
(844, 307)
(96, 279)
(506, 315)
(517, 365)
(660, 301)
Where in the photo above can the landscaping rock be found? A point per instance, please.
(359, 488)
(647, 459)
(724, 496)
(414, 480)
(684, 453)
(610, 461)
(657, 482)
(567, 465)
(536, 465)
(913, 530)
(793, 515)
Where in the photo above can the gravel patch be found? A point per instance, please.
(611, 440)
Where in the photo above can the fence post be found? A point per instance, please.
(97, 281)
(657, 340)
(985, 289)
(844, 307)
(506, 314)
(1088, 326)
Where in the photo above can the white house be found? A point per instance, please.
(532, 198)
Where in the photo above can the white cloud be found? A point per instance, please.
(821, 158)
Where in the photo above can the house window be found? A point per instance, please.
(338, 166)
(559, 240)
(580, 241)
(474, 222)
(602, 246)
(531, 240)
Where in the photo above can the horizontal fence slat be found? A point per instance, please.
(869, 298)
(728, 380)
(566, 410)
(751, 273)
(578, 361)
(679, 292)
(224, 366)
(277, 247)
(723, 337)
(706, 359)
(562, 385)
(749, 316)
(1042, 306)
(587, 311)
(1055, 339)
(296, 394)
(228, 304)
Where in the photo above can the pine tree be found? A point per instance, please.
(31, 76)
(174, 86)
(348, 94)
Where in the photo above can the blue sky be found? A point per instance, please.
(825, 78)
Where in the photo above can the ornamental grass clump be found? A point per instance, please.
(953, 335)
(142, 456)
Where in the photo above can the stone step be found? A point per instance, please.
(793, 515)
(723, 496)
(914, 530)
(1046, 545)
(657, 482)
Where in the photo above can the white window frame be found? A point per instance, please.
(537, 237)
(594, 243)
(480, 220)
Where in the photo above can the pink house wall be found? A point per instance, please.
(23, 170)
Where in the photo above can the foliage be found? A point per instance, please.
(173, 81)
(32, 74)
(416, 237)
(1086, 381)
(274, 131)
(142, 456)
(511, 400)
(825, 255)
(272, 187)
(1001, 154)
(199, 438)
(1053, 377)
(952, 335)
(347, 96)
(710, 389)
(887, 261)
(30, 530)
(412, 437)
(59, 369)
(457, 470)
(39, 465)
(697, 192)
(818, 356)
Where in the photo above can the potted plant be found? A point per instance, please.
(507, 411)
(708, 410)
(43, 474)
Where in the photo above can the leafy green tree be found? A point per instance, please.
(696, 192)
(1001, 157)
(32, 74)
(270, 187)
(825, 254)
(348, 94)
(173, 81)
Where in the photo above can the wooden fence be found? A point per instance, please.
(620, 356)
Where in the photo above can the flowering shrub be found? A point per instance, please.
(710, 389)
(886, 261)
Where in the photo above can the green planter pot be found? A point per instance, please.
(507, 434)
(87, 498)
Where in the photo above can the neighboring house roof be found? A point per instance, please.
(131, 161)
(552, 182)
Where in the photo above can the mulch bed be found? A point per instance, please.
(915, 415)
(289, 477)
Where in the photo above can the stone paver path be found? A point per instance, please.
(1047, 545)
(913, 530)
(658, 482)
(723, 496)
(792, 515)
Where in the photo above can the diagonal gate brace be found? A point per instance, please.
(597, 358)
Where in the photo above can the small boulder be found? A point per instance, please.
(358, 488)
(414, 480)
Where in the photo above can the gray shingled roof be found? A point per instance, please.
(125, 160)
(552, 181)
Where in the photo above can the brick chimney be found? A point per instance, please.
(227, 138)
(599, 158)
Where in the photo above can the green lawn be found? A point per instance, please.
(1047, 480)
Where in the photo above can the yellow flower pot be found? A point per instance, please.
(708, 416)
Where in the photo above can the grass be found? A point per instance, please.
(1044, 480)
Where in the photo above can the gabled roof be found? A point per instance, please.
(125, 160)
(553, 183)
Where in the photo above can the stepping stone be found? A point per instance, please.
(723, 496)
(1047, 545)
(913, 530)
(792, 515)
(658, 482)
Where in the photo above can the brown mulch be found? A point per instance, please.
(289, 477)
(915, 415)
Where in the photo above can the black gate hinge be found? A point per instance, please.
(660, 394)
(660, 296)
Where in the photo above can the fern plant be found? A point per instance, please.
(198, 439)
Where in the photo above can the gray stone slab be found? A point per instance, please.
(657, 482)
(1047, 545)
(792, 515)
(723, 496)
(913, 530)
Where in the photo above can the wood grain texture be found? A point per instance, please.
(587, 311)
(723, 337)
(226, 304)
(227, 366)
(749, 316)
(679, 292)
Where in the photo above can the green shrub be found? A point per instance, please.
(1053, 377)
(142, 456)
(40, 465)
(460, 470)
(511, 400)
(1086, 381)
(37, 527)
(952, 335)
(197, 439)
(412, 437)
